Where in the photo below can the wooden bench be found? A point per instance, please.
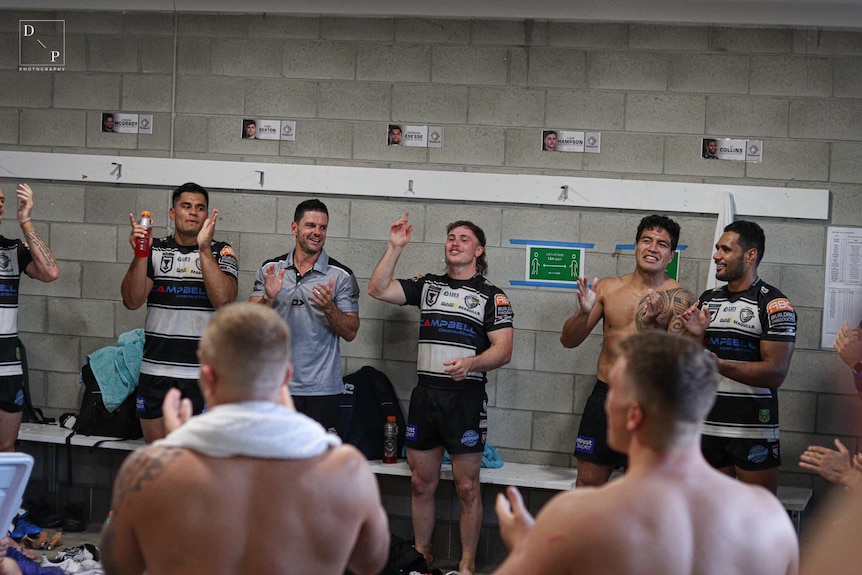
(531, 476)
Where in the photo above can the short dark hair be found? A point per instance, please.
(673, 379)
(750, 236)
(312, 205)
(657, 222)
(190, 187)
(481, 261)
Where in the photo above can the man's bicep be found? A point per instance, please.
(777, 353)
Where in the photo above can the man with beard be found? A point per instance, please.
(318, 297)
(751, 327)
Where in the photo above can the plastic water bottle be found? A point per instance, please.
(142, 245)
(390, 440)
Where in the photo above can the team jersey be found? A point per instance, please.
(178, 308)
(15, 256)
(456, 317)
(738, 322)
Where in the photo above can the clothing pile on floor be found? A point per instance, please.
(80, 560)
(30, 530)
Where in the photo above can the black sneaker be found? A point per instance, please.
(73, 518)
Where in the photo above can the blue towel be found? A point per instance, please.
(117, 368)
(490, 458)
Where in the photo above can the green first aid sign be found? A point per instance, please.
(672, 268)
(554, 264)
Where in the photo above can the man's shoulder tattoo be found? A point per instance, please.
(144, 467)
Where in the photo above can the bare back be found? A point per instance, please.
(662, 522)
(623, 299)
(246, 515)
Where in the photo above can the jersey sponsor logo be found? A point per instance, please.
(445, 326)
(778, 306)
(470, 438)
(410, 432)
(227, 251)
(763, 415)
(297, 302)
(431, 295)
(4, 262)
(182, 290)
(758, 454)
(731, 343)
(585, 444)
(19, 397)
(452, 294)
(140, 404)
(501, 299)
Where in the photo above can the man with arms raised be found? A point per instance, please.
(646, 299)
(465, 330)
(671, 513)
(318, 297)
(184, 279)
(751, 327)
(34, 258)
(265, 487)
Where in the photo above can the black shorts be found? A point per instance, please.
(12, 393)
(747, 454)
(457, 419)
(592, 441)
(151, 393)
(324, 409)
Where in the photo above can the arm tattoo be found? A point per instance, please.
(142, 467)
(36, 244)
(682, 300)
(673, 302)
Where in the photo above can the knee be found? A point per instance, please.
(423, 486)
(469, 490)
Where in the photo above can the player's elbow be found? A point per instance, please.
(51, 274)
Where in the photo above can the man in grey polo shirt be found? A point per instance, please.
(318, 297)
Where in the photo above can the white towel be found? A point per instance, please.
(259, 429)
(725, 217)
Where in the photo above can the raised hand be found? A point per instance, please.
(587, 294)
(400, 232)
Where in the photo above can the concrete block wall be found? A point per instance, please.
(652, 90)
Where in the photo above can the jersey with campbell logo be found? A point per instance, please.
(738, 322)
(178, 307)
(456, 317)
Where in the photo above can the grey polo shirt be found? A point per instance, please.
(315, 348)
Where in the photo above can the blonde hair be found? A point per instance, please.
(248, 346)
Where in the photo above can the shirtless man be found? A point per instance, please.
(671, 513)
(643, 300)
(264, 488)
